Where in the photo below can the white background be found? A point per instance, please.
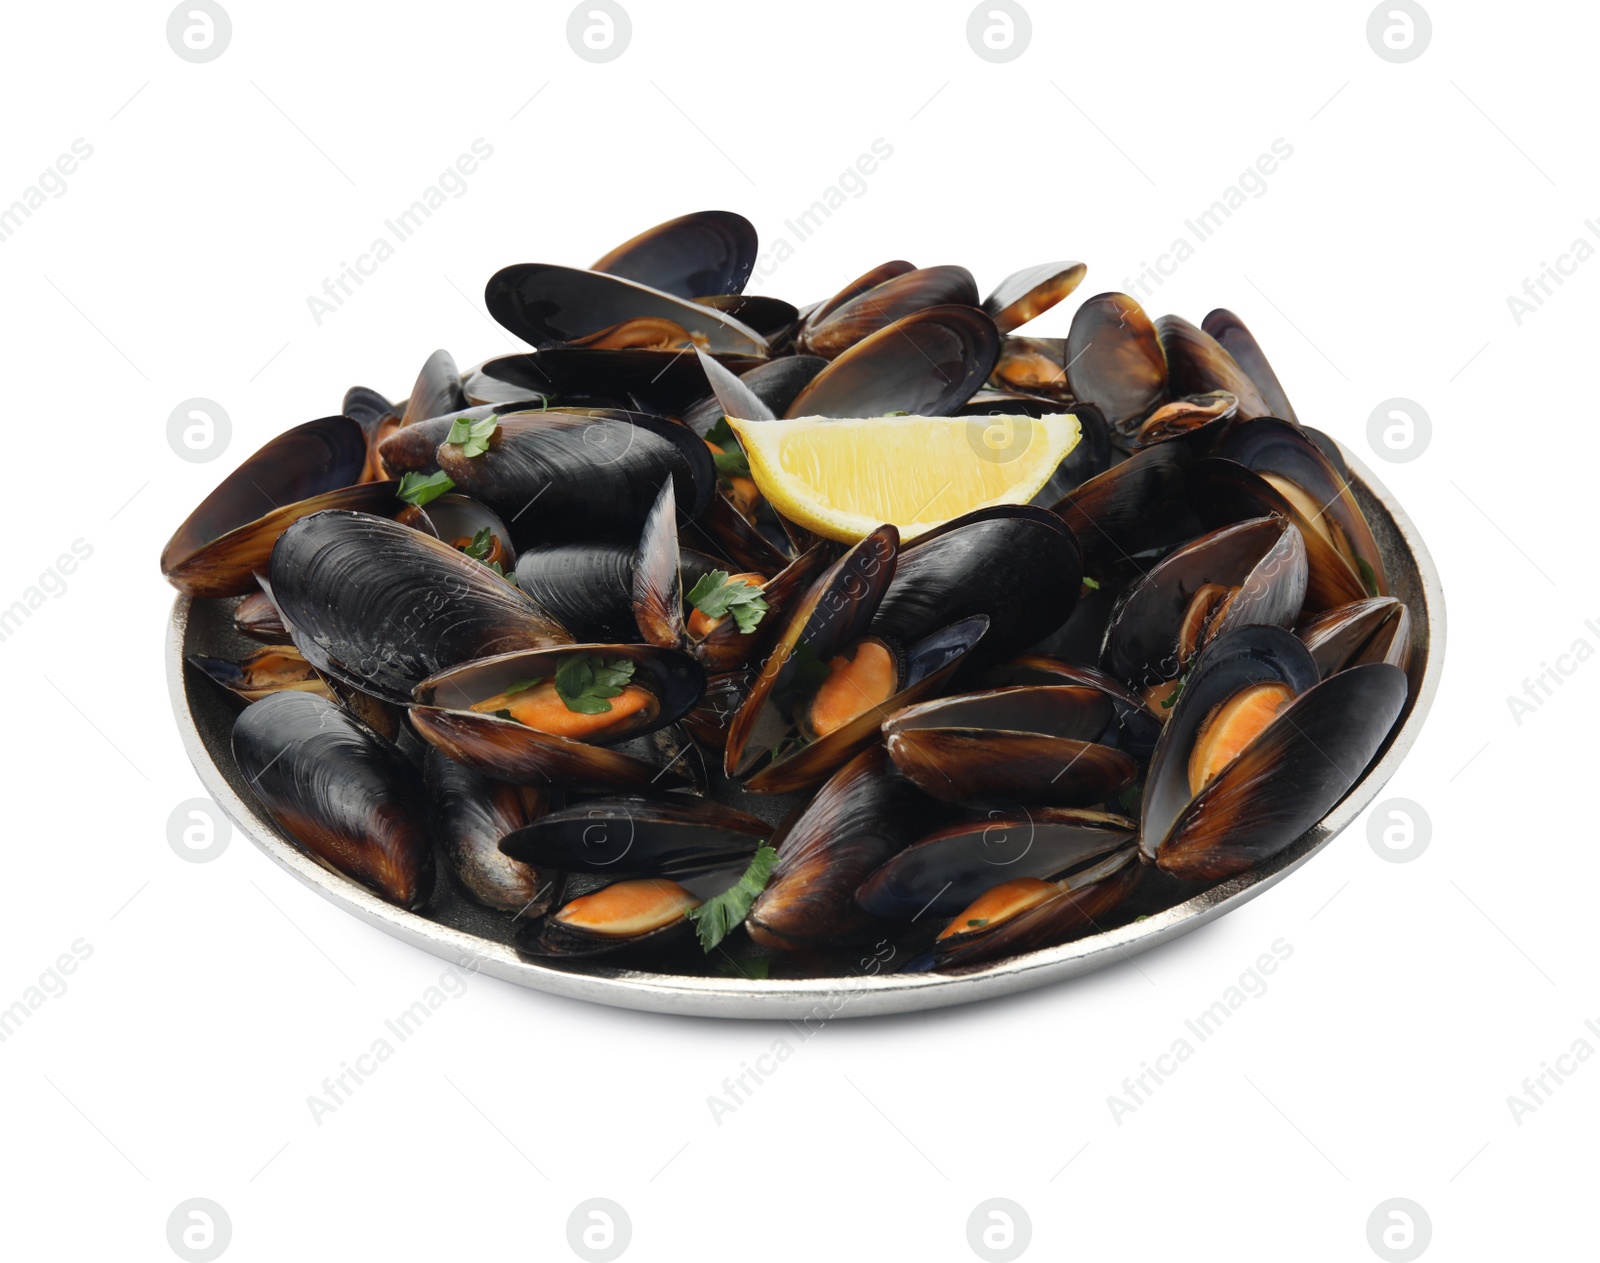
(220, 995)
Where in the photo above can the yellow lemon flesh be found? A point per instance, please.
(842, 478)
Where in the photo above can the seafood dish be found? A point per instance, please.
(579, 647)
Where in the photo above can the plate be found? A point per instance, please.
(458, 930)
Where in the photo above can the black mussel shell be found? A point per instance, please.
(555, 476)
(1134, 507)
(890, 300)
(1114, 361)
(1283, 781)
(772, 318)
(342, 793)
(858, 819)
(469, 814)
(658, 381)
(1237, 340)
(1016, 564)
(868, 280)
(436, 392)
(774, 383)
(378, 418)
(229, 537)
(1263, 558)
(548, 305)
(667, 837)
(1197, 364)
(694, 255)
(1374, 630)
(1051, 744)
(415, 448)
(928, 364)
(652, 919)
(257, 617)
(1139, 728)
(1032, 292)
(587, 588)
(275, 669)
(944, 872)
(381, 607)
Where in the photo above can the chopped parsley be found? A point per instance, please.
(472, 436)
(720, 915)
(421, 489)
(716, 595)
(587, 682)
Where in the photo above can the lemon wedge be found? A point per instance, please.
(842, 478)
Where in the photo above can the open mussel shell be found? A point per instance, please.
(1033, 367)
(879, 307)
(646, 914)
(629, 834)
(771, 317)
(864, 814)
(659, 381)
(469, 814)
(436, 391)
(1250, 572)
(549, 305)
(378, 418)
(275, 669)
(1375, 630)
(1134, 507)
(1015, 564)
(555, 476)
(1032, 292)
(1291, 460)
(461, 522)
(509, 750)
(1237, 340)
(257, 617)
(927, 364)
(381, 607)
(868, 280)
(1051, 744)
(1114, 360)
(833, 614)
(1197, 364)
(483, 389)
(1138, 728)
(342, 793)
(942, 873)
(703, 253)
(1210, 413)
(229, 537)
(1283, 779)
(1083, 904)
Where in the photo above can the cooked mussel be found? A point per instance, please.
(341, 792)
(629, 834)
(1250, 572)
(469, 815)
(1234, 338)
(546, 716)
(1113, 359)
(1031, 292)
(888, 301)
(228, 538)
(1197, 364)
(381, 607)
(257, 617)
(1256, 751)
(436, 391)
(1375, 630)
(275, 669)
(693, 256)
(648, 911)
(1051, 744)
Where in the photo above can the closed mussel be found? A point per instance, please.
(470, 814)
(344, 794)
(631, 834)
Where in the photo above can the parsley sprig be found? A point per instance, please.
(472, 436)
(587, 682)
(720, 915)
(716, 595)
(421, 489)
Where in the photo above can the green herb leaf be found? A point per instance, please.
(522, 686)
(752, 968)
(472, 436)
(1171, 699)
(586, 682)
(505, 714)
(481, 546)
(732, 464)
(716, 596)
(420, 489)
(721, 433)
(1092, 584)
(977, 921)
(720, 915)
(807, 674)
(1369, 580)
